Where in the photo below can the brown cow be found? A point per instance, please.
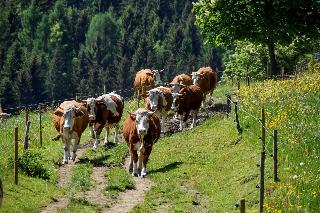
(187, 100)
(105, 112)
(146, 79)
(70, 120)
(206, 79)
(141, 130)
(160, 100)
(180, 80)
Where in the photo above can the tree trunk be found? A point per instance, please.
(273, 62)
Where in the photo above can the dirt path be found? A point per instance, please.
(130, 198)
(65, 175)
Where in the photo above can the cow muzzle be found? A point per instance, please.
(153, 108)
(92, 117)
(142, 132)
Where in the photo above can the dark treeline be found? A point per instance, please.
(52, 50)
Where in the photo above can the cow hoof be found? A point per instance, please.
(74, 155)
(65, 162)
(134, 174)
(106, 142)
(144, 175)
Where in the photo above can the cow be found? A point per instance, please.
(188, 100)
(70, 120)
(159, 100)
(105, 112)
(179, 81)
(141, 130)
(146, 79)
(4, 116)
(206, 79)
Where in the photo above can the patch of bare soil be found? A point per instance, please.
(65, 175)
(130, 198)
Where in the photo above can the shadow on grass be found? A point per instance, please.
(167, 168)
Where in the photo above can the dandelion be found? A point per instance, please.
(294, 177)
(301, 164)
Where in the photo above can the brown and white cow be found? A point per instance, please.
(105, 112)
(146, 79)
(160, 100)
(70, 120)
(179, 81)
(141, 130)
(187, 100)
(206, 79)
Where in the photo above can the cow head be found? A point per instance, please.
(141, 118)
(156, 75)
(176, 100)
(91, 107)
(196, 77)
(153, 96)
(176, 87)
(69, 114)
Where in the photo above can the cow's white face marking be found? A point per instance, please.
(157, 78)
(142, 121)
(92, 104)
(154, 98)
(176, 88)
(69, 116)
(175, 100)
(195, 78)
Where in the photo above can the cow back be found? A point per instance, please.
(191, 99)
(144, 78)
(211, 76)
(182, 79)
(105, 116)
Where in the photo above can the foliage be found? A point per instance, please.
(118, 180)
(263, 22)
(59, 49)
(33, 163)
(248, 60)
(292, 107)
(77, 205)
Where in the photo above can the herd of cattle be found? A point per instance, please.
(142, 128)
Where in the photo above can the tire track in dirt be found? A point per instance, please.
(64, 178)
(130, 198)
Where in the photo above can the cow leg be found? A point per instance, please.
(131, 162)
(194, 119)
(97, 131)
(163, 123)
(106, 139)
(75, 147)
(91, 131)
(134, 157)
(181, 122)
(66, 151)
(145, 161)
(116, 132)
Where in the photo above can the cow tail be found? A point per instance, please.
(56, 138)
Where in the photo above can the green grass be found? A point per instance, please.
(79, 205)
(118, 180)
(81, 178)
(210, 159)
(113, 155)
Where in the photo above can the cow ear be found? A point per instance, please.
(78, 112)
(132, 116)
(58, 113)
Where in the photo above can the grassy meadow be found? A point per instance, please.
(206, 169)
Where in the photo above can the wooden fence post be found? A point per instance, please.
(1, 192)
(228, 109)
(27, 116)
(16, 155)
(263, 130)
(26, 137)
(248, 81)
(242, 205)
(104, 89)
(238, 85)
(262, 160)
(237, 117)
(275, 155)
(40, 125)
